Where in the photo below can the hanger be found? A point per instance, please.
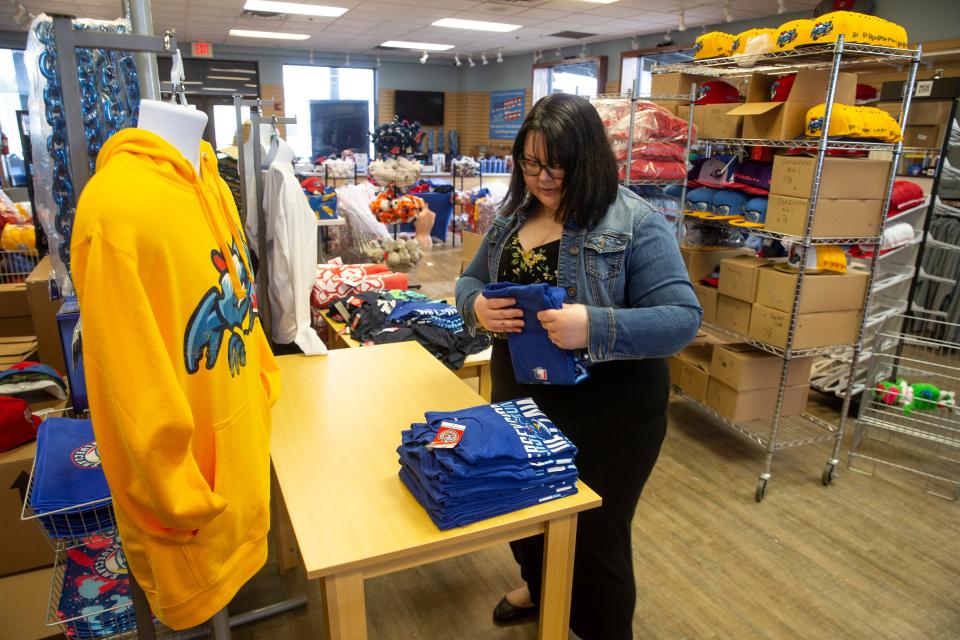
(274, 144)
(179, 93)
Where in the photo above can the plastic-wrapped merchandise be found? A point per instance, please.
(110, 95)
(395, 171)
(950, 181)
(466, 167)
(698, 233)
(353, 204)
(338, 168)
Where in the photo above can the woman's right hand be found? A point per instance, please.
(496, 315)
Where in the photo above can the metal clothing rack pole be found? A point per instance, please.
(263, 278)
(686, 159)
(238, 103)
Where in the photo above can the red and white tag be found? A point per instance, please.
(448, 436)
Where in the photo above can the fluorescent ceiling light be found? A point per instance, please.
(226, 78)
(219, 89)
(251, 85)
(296, 8)
(422, 46)
(476, 25)
(192, 82)
(244, 33)
(601, 1)
(232, 70)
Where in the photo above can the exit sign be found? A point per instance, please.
(201, 50)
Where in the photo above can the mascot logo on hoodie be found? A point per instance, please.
(221, 313)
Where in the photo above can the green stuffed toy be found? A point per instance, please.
(920, 396)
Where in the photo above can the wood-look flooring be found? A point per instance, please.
(871, 557)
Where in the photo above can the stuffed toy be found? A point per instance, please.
(919, 396)
(389, 207)
(396, 171)
(397, 138)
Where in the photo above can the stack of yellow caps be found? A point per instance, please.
(715, 44)
(854, 122)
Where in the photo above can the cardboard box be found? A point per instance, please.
(701, 261)
(813, 329)
(674, 84)
(821, 291)
(690, 370)
(707, 297)
(23, 605)
(933, 112)
(757, 404)
(24, 545)
(831, 219)
(713, 120)
(763, 119)
(744, 368)
(43, 311)
(14, 349)
(923, 135)
(738, 277)
(841, 178)
(733, 314)
(14, 312)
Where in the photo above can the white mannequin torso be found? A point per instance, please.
(180, 126)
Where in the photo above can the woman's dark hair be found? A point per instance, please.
(575, 140)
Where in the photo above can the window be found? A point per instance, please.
(638, 65)
(313, 95)
(580, 76)
(13, 98)
(225, 123)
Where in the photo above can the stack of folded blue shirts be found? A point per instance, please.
(469, 465)
(95, 600)
(67, 473)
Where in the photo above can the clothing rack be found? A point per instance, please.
(263, 280)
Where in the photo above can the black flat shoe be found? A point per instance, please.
(505, 613)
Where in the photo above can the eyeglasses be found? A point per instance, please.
(534, 167)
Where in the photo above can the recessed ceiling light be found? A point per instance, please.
(222, 70)
(476, 25)
(296, 8)
(422, 46)
(274, 35)
(227, 78)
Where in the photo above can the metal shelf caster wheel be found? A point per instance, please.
(761, 489)
(829, 474)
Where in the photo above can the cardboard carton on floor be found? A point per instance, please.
(821, 291)
(738, 277)
(713, 120)
(43, 311)
(24, 545)
(471, 244)
(826, 329)
(744, 368)
(733, 315)
(24, 598)
(707, 297)
(756, 404)
(841, 178)
(831, 218)
(921, 111)
(763, 119)
(702, 261)
(16, 349)
(14, 311)
(690, 370)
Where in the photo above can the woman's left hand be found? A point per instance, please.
(568, 328)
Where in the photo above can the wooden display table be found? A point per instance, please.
(336, 428)
(475, 366)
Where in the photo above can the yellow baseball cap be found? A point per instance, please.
(754, 41)
(790, 33)
(858, 28)
(715, 44)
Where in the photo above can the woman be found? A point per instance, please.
(567, 223)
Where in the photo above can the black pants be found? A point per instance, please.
(618, 422)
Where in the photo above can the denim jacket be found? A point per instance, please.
(627, 270)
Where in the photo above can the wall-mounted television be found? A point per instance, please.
(425, 107)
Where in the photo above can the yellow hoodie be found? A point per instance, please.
(179, 374)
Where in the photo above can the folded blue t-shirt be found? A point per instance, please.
(535, 359)
(438, 314)
(67, 470)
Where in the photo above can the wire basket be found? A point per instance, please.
(15, 266)
(74, 525)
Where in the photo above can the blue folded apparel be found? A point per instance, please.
(67, 473)
(438, 314)
(535, 359)
(96, 586)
